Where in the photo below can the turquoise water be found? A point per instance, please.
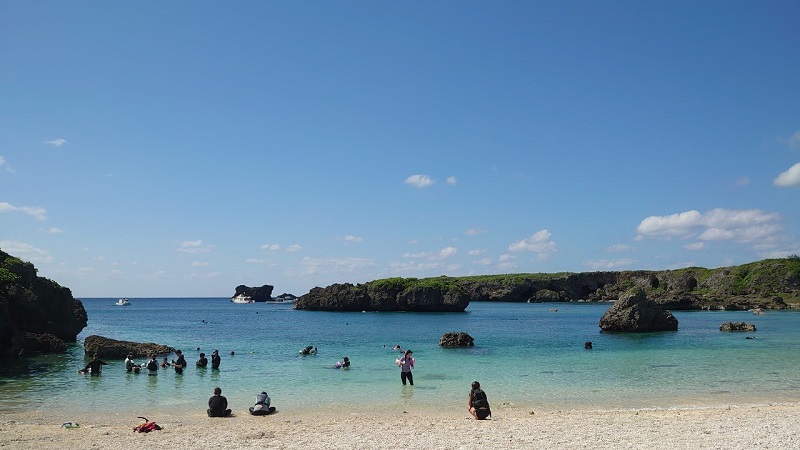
(524, 354)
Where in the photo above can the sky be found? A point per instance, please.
(183, 148)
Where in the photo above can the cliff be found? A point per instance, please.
(768, 284)
(35, 313)
(392, 294)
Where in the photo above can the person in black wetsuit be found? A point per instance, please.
(215, 359)
(180, 363)
(93, 368)
(218, 405)
(203, 361)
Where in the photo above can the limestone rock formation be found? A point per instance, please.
(634, 312)
(456, 339)
(112, 348)
(737, 326)
(258, 294)
(393, 294)
(35, 312)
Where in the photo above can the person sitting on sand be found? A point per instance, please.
(262, 408)
(477, 403)
(218, 405)
(93, 368)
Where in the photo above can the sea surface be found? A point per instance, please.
(525, 356)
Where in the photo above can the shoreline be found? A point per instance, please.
(733, 427)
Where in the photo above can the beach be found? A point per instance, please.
(729, 427)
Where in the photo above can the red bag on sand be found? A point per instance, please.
(147, 426)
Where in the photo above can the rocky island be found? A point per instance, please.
(257, 294)
(391, 294)
(766, 284)
(36, 314)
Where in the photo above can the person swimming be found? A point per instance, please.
(344, 363)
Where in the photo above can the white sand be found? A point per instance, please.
(736, 427)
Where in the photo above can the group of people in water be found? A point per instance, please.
(477, 401)
(152, 366)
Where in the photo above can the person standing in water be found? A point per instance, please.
(94, 366)
(215, 359)
(406, 363)
(180, 364)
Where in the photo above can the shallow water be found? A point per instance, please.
(525, 355)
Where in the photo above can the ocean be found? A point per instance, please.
(525, 356)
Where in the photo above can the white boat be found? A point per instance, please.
(241, 298)
(123, 302)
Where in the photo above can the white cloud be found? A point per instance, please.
(475, 231)
(743, 225)
(200, 264)
(695, 246)
(608, 264)
(56, 142)
(350, 238)
(619, 248)
(294, 248)
(794, 139)
(193, 247)
(448, 252)
(255, 261)
(417, 255)
(452, 181)
(789, 178)
(538, 243)
(334, 265)
(742, 181)
(4, 164)
(483, 261)
(271, 247)
(36, 211)
(507, 258)
(26, 252)
(476, 252)
(52, 230)
(419, 181)
(680, 224)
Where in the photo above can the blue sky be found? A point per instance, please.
(183, 148)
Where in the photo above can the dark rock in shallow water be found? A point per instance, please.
(454, 339)
(634, 312)
(737, 326)
(112, 348)
(44, 342)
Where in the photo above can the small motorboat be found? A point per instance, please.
(241, 298)
(123, 302)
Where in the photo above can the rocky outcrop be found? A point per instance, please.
(393, 294)
(737, 326)
(634, 312)
(35, 312)
(456, 339)
(111, 348)
(258, 294)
